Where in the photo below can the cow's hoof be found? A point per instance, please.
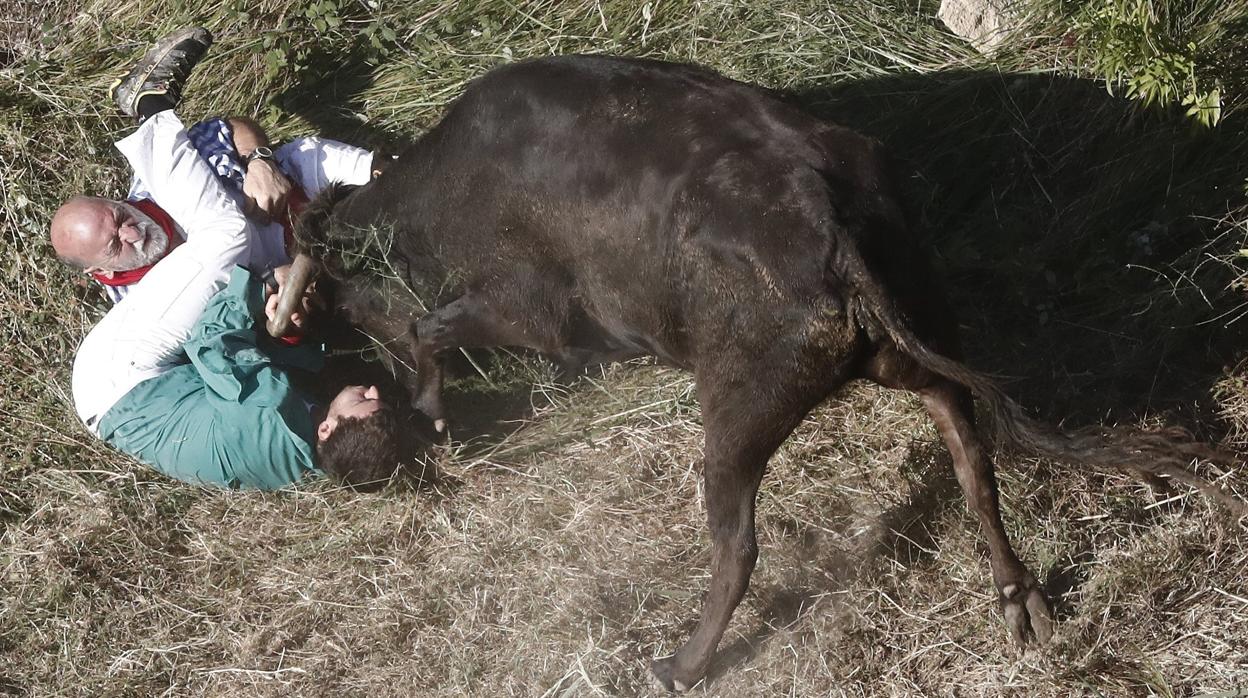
(431, 407)
(664, 670)
(1027, 612)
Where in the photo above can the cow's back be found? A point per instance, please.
(650, 191)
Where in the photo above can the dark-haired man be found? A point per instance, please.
(177, 373)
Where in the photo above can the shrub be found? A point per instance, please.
(1128, 44)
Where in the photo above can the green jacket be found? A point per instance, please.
(230, 416)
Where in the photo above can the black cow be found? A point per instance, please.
(597, 208)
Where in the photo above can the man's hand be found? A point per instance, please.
(266, 189)
(306, 305)
(296, 318)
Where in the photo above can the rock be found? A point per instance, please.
(985, 23)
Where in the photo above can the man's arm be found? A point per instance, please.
(230, 350)
(265, 187)
(315, 162)
(311, 163)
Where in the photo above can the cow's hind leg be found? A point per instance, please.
(745, 420)
(1027, 612)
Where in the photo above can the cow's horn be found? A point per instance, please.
(297, 280)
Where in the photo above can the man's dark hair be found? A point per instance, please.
(362, 451)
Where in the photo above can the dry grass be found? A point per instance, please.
(1092, 249)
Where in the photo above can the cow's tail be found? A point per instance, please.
(1160, 452)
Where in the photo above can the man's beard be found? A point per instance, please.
(154, 244)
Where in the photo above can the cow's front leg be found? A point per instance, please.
(467, 321)
(427, 392)
(731, 486)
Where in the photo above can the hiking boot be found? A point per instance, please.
(163, 70)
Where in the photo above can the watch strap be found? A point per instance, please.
(260, 153)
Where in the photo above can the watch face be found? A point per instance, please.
(260, 153)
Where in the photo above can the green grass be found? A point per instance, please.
(1091, 246)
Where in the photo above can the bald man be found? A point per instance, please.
(102, 236)
(117, 242)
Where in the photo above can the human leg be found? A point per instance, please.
(154, 84)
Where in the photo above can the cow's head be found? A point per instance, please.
(310, 235)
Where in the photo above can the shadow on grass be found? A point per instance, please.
(329, 93)
(1072, 231)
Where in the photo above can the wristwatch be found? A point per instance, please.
(260, 153)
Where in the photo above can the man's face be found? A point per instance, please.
(107, 236)
(355, 401)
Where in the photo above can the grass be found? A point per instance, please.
(1092, 248)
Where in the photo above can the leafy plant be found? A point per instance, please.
(1126, 43)
(295, 37)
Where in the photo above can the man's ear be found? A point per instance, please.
(99, 271)
(325, 428)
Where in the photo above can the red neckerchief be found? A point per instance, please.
(156, 213)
